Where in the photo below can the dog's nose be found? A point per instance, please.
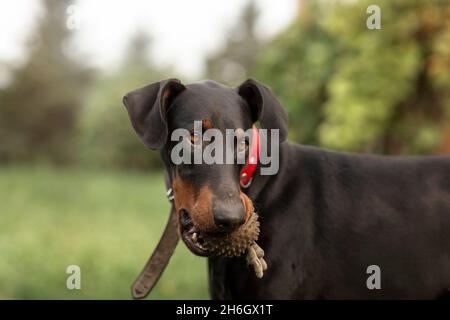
(229, 218)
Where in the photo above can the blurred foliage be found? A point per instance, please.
(231, 63)
(298, 65)
(106, 135)
(100, 221)
(39, 108)
(348, 87)
(345, 86)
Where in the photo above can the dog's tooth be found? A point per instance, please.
(194, 237)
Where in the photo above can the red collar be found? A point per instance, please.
(246, 175)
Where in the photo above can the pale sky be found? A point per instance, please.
(183, 32)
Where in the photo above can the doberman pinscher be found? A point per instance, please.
(327, 218)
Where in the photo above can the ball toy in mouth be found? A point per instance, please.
(238, 242)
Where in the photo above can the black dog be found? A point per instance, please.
(325, 217)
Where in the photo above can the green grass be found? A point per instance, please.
(106, 222)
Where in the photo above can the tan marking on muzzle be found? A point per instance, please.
(184, 194)
(199, 207)
(202, 215)
(248, 206)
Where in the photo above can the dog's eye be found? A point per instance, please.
(242, 146)
(195, 138)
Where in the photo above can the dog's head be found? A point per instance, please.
(208, 197)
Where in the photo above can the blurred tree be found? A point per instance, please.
(383, 96)
(39, 107)
(231, 64)
(107, 137)
(297, 65)
(348, 87)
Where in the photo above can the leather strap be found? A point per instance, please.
(158, 260)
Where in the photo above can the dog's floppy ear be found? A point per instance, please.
(147, 108)
(264, 106)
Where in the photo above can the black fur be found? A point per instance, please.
(326, 216)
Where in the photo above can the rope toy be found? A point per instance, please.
(238, 242)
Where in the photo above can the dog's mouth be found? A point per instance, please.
(230, 242)
(191, 236)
